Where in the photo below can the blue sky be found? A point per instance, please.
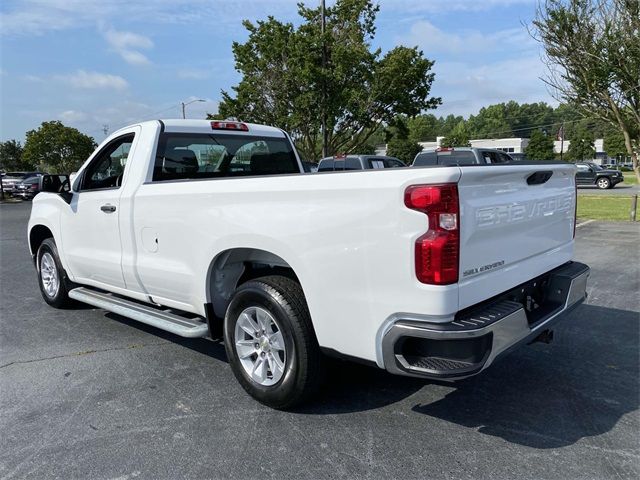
(114, 62)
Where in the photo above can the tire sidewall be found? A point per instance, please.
(60, 298)
(608, 183)
(253, 294)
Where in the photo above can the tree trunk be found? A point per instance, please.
(630, 151)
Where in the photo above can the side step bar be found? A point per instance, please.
(183, 326)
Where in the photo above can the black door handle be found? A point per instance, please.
(108, 208)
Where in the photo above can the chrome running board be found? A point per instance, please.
(183, 326)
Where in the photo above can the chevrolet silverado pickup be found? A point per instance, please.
(212, 229)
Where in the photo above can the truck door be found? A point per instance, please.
(90, 227)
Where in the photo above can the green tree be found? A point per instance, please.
(11, 156)
(581, 146)
(404, 149)
(540, 147)
(592, 51)
(423, 128)
(448, 123)
(285, 83)
(459, 136)
(55, 148)
(614, 144)
(490, 122)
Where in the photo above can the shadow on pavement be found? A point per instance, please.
(543, 398)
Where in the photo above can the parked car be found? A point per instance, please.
(593, 174)
(28, 188)
(460, 156)
(11, 179)
(431, 273)
(358, 162)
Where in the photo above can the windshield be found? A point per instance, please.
(596, 166)
(186, 155)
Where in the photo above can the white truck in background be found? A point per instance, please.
(212, 228)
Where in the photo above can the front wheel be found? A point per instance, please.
(51, 276)
(604, 183)
(270, 342)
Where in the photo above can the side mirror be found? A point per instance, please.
(55, 183)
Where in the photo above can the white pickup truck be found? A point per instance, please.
(212, 228)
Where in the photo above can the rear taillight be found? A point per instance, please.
(34, 186)
(437, 252)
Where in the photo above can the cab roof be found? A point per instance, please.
(204, 126)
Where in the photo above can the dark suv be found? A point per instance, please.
(593, 174)
(358, 162)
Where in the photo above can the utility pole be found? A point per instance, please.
(561, 139)
(324, 80)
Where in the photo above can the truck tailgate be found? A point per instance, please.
(516, 222)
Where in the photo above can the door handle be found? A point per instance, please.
(108, 208)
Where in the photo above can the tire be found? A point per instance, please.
(277, 307)
(52, 278)
(603, 183)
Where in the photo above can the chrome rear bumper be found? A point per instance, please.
(477, 336)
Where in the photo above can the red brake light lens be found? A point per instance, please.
(437, 252)
(238, 126)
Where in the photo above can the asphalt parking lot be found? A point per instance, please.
(85, 394)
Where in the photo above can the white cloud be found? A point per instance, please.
(134, 58)
(434, 40)
(124, 40)
(72, 116)
(93, 80)
(465, 88)
(128, 44)
(36, 17)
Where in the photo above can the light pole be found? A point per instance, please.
(189, 103)
(324, 75)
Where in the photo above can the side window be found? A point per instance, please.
(376, 163)
(392, 163)
(325, 165)
(582, 167)
(504, 158)
(107, 168)
(352, 163)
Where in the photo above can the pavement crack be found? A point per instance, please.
(86, 352)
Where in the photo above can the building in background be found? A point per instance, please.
(516, 147)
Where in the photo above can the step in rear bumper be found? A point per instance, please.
(471, 342)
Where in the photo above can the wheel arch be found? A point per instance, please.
(235, 266)
(38, 234)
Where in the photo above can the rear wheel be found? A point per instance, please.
(603, 183)
(270, 342)
(51, 275)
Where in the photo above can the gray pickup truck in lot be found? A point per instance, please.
(460, 156)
